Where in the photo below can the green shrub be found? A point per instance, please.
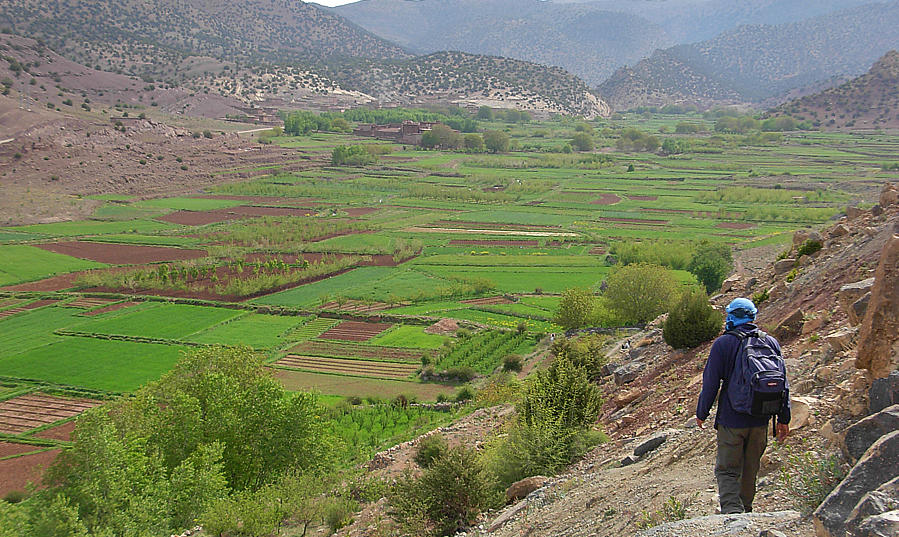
(639, 293)
(338, 513)
(429, 449)
(809, 247)
(808, 478)
(674, 509)
(460, 373)
(512, 362)
(711, 263)
(562, 394)
(585, 352)
(760, 297)
(15, 496)
(465, 393)
(691, 321)
(447, 497)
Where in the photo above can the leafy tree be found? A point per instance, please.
(496, 141)
(582, 142)
(640, 292)
(474, 143)
(561, 394)
(352, 155)
(691, 321)
(711, 263)
(485, 112)
(587, 352)
(575, 308)
(441, 136)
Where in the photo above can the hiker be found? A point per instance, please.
(742, 353)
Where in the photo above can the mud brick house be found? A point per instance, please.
(407, 132)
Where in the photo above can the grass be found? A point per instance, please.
(163, 321)
(189, 204)
(312, 329)
(93, 227)
(356, 386)
(20, 263)
(322, 290)
(408, 336)
(255, 330)
(117, 366)
(34, 328)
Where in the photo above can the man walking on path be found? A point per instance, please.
(742, 435)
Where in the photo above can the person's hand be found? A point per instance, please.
(782, 430)
(700, 423)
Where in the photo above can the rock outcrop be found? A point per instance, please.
(743, 525)
(877, 349)
(878, 465)
(861, 435)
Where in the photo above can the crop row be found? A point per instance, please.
(354, 350)
(482, 352)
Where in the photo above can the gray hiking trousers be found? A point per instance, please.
(739, 455)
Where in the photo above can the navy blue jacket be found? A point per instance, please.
(717, 370)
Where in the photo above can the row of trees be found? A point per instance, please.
(443, 137)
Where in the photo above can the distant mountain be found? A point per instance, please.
(584, 39)
(869, 101)
(154, 36)
(472, 79)
(761, 63)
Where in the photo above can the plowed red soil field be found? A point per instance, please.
(633, 220)
(60, 432)
(19, 309)
(359, 211)
(27, 412)
(15, 473)
(355, 331)
(121, 254)
(489, 225)
(262, 200)
(88, 303)
(488, 242)
(351, 350)
(356, 306)
(734, 225)
(363, 368)
(111, 307)
(643, 198)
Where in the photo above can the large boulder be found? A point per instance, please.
(865, 432)
(801, 410)
(850, 293)
(883, 525)
(879, 464)
(858, 309)
(650, 444)
(854, 212)
(521, 489)
(880, 328)
(841, 339)
(783, 266)
(889, 195)
(874, 503)
(884, 392)
(790, 326)
(628, 373)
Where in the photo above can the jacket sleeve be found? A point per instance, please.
(712, 376)
(784, 415)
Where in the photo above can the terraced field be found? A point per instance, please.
(361, 368)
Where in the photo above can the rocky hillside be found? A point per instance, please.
(869, 101)
(584, 39)
(155, 37)
(473, 79)
(759, 63)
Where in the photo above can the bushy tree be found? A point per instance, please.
(691, 321)
(352, 155)
(640, 292)
(582, 142)
(711, 263)
(586, 352)
(562, 394)
(429, 449)
(497, 141)
(474, 143)
(447, 497)
(441, 136)
(575, 308)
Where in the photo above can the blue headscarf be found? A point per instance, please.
(740, 311)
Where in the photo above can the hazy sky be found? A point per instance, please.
(332, 2)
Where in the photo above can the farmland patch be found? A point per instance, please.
(345, 386)
(354, 350)
(25, 307)
(20, 263)
(359, 368)
(355, 331)
(32, 410)
(164, 321)
(606, 199)
(121, 254)
(17, 472)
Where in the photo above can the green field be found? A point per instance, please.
(19, 263)
(449, 227)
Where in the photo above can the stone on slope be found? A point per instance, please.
(628, 372)
(783, 266)
(742, 525)
(861, 435)
(841, 339)
(884, 525)
(521, 489)
(651, 443)
(884, 392)
(790, 326)
(851, 292)
(889, 195)
(879, 464)
(876, 502)
(880, 327)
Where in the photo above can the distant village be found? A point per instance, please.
(407, 132)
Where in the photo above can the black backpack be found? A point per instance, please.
(758, 385)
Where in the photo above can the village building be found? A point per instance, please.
(407, 132)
